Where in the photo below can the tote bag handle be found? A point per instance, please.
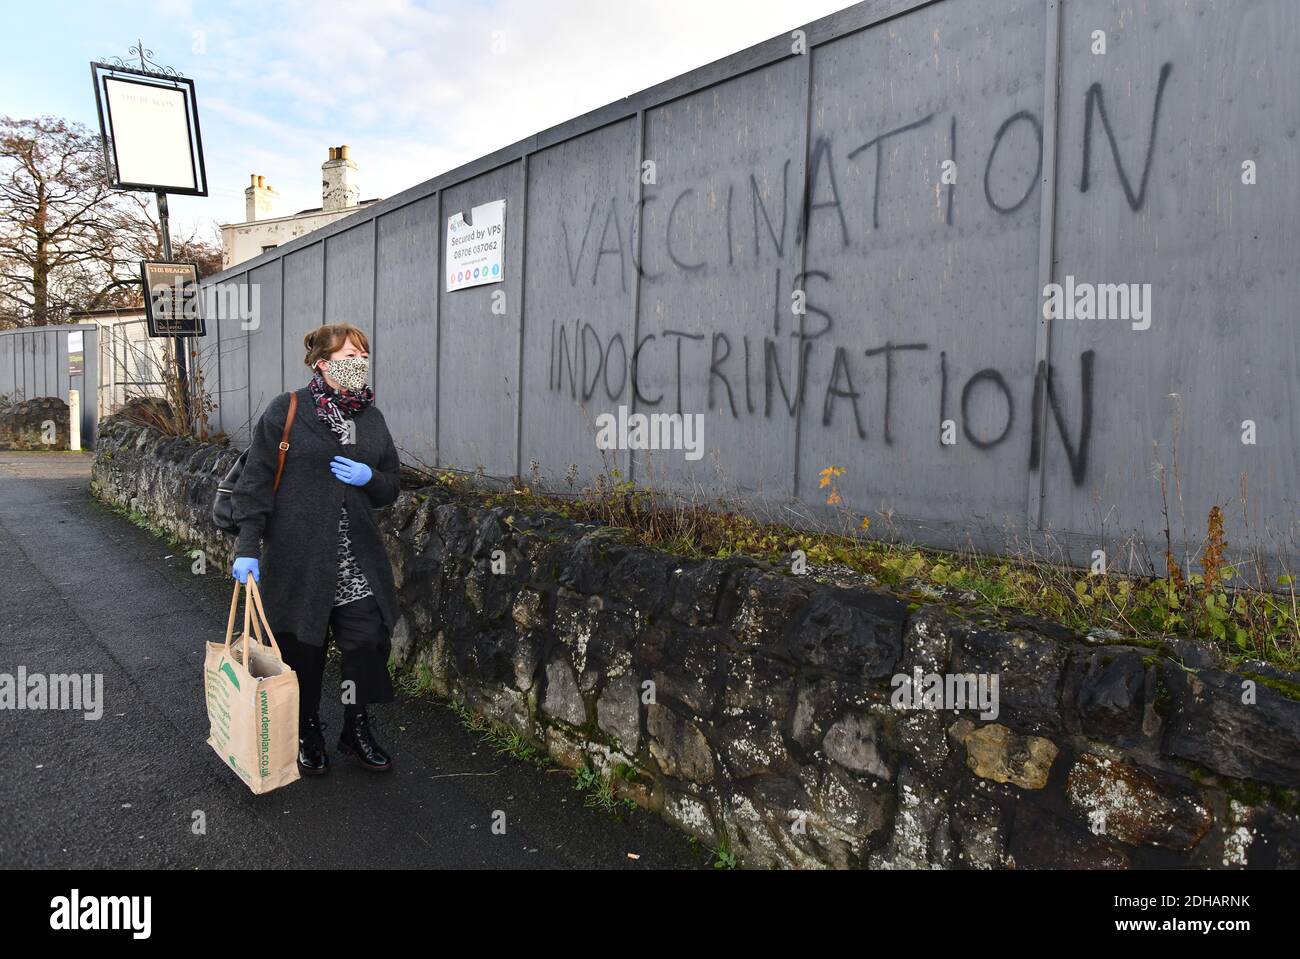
(252, 624)
(261, 620)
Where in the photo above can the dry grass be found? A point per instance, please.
(1244, 617)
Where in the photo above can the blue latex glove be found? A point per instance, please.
(350, 471)
(245, 565)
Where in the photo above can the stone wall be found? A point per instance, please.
(169, 481)
(761, 709)
(23, 425)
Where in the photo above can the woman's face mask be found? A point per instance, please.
(349, 372)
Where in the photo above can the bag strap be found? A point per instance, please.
(261, 621)
(284, 437)
(230, 623)
(252, 624)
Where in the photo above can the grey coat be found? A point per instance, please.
(299, 524)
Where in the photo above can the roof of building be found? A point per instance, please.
(108, 311)
(291, 216)
(319, 209)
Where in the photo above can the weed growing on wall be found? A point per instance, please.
(1244, 617)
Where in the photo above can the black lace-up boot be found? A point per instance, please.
(358, 739)
(312, 758)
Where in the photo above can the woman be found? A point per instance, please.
(326, 564)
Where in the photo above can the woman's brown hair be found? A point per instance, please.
(324, 341)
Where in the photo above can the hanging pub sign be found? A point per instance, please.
(149, 127)
(171, 299)
(475, 246)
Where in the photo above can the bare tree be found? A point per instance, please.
(131, 222)
(68, 242)
(52, 191)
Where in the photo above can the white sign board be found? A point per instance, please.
(151, 134)
(76, 353)
(475, 249)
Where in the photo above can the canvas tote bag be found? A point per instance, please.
(252, 698)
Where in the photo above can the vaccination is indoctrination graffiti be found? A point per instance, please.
(1018, 268)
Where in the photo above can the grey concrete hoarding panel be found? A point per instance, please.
(349, 276)
(267, 339)
(581, 277)
(1189, 92)
(207, 362)
(479, 368)
(922, 293)
(303, 312)
(58, 370)
(232, 404)
(59, 355)
(29, 366)
(43, 364)
(235, 323)
(53, 381)
(35, 380)
(720, 256)
(405, 345)
(6, 364)
(40, 354)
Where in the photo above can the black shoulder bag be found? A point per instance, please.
(223, 509)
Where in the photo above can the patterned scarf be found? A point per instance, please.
(335, 408)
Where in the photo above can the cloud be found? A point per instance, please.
(419, 89)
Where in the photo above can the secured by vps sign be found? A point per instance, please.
(475, 246)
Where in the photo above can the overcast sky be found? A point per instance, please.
(414, 88)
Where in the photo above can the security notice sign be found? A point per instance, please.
(475, 247)
(76, 354)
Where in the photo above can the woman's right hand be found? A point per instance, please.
(245, 565)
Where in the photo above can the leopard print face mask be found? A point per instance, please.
(350, 372)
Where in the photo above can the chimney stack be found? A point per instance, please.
(338, 181)
(259, 199)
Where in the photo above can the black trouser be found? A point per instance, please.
(358, 630)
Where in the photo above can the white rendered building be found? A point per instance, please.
(263, 230)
